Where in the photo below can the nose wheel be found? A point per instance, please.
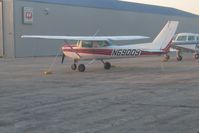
(74, 67)
(80, 67)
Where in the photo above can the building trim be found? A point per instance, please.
(8, 29)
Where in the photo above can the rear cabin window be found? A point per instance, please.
(99, 44)
(103, 44)
(182, 38)
(191, 38)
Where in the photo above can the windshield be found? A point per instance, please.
(182, 38)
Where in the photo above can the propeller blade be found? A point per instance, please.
(63, 56)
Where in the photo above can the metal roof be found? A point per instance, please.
(119, 5)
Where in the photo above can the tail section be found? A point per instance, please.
(164, 38)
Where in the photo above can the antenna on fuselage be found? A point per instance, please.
(98, 30)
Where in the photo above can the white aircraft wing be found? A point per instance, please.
(188, 47)
(86, 38)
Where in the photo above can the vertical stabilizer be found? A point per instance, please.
(163, 40)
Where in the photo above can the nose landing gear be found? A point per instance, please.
(81, 67)
(74, 66)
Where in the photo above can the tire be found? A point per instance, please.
(107, 65)
(81, 67)
(166, 58)
(179, 58)
(74, 67)
(196, 56)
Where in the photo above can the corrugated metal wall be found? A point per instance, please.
(72, 20)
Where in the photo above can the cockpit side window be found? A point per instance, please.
(197, 38)
(94, 44)
(182, 38)
(191, 38)
(86, 44)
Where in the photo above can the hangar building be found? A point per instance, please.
(79, 17)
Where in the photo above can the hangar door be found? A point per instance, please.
(1, 30)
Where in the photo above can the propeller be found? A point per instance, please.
(63, 57)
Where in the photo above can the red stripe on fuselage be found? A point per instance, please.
(150, 53)
(89, 51)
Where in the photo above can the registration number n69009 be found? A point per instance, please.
(126, 52)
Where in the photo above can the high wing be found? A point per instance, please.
(86, 38)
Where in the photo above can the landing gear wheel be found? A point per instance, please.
(196, 56)
(81, 67)
(166, 58)
(73, 66)
(179, 58)
(107, 65)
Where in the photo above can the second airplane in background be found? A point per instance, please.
(186, 42)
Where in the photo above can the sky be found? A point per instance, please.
(185, 5)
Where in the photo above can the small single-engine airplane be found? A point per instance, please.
(101, 48)
(186, 42)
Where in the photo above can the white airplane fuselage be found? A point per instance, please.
(188, 42)
(125, 51)
(103, 49)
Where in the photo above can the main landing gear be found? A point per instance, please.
(179, 57)
(107, 65)
(196, 56)
(82, 67)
